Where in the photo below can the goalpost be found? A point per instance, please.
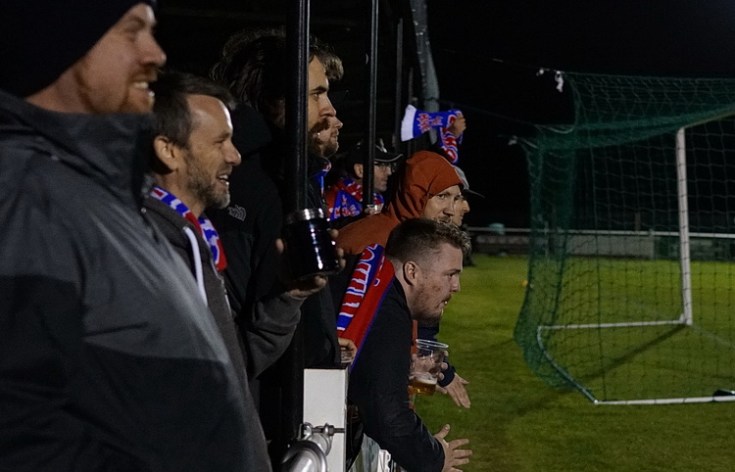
(631, 287)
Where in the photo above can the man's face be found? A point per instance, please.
(463, 207)
(442, 206)
(210, 156)
(113, 76)
(437, 279)
(381, 172)
(322, 119)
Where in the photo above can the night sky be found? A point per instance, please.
(488, 55)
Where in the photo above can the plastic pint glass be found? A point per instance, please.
(426, 365)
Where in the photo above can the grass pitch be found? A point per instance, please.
(517, 423)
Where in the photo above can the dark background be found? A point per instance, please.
(488, 55)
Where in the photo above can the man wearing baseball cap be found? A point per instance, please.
(464, 207)
(106, 361)
(344, 197)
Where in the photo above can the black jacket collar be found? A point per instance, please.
(112, 150)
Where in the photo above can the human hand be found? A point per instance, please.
(333, 233)
(453, 455)
(457, 391)
(305, 287)
(348, 350)
(440, 375)
(428, 364)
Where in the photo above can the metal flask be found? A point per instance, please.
(309, 246)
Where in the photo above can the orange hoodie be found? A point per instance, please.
(425, 175)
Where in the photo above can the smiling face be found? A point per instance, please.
(113, 76)
(210, 155)
(437, 278)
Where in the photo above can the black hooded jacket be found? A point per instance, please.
(250, 225)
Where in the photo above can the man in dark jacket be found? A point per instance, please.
(254, 68)
(106, 361)
(194, 158)
(427, 260)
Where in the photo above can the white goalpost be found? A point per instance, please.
(686, 317)
(631, 284)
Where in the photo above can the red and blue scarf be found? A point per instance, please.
(417, 122)
(348, 199)
(324, 166)
(202, 224)
(368, 285)
(449, 144)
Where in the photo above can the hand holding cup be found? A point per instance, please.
(426, 366)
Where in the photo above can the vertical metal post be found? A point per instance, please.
(367, 178)
(297, 45)
(399, 105)
(410, 145)
(297, 48)
(684, 256)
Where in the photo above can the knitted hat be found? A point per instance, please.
(41, 39)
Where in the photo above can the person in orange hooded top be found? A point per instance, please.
(429, 187)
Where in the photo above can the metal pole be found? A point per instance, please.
(399, 105)
(684, 259)
(297, 46)
(367, 178)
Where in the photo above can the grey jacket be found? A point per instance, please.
(106, 361)
(264, 342)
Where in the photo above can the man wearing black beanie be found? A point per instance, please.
(106, 362)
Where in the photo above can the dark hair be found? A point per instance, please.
(172, 117)
(416, 238)
(254, 66)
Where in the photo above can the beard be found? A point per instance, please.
(424, 312)
(203, 187)
(319, 146)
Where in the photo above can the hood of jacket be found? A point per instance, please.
(426, 174)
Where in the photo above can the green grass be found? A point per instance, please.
(634, 362)
(517, 423)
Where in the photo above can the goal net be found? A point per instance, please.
(631, 283)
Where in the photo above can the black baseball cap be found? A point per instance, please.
(358, 153)
(465, 184)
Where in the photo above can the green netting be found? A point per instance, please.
(605, 305)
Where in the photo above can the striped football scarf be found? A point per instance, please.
(368, 285)
(202, 224)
